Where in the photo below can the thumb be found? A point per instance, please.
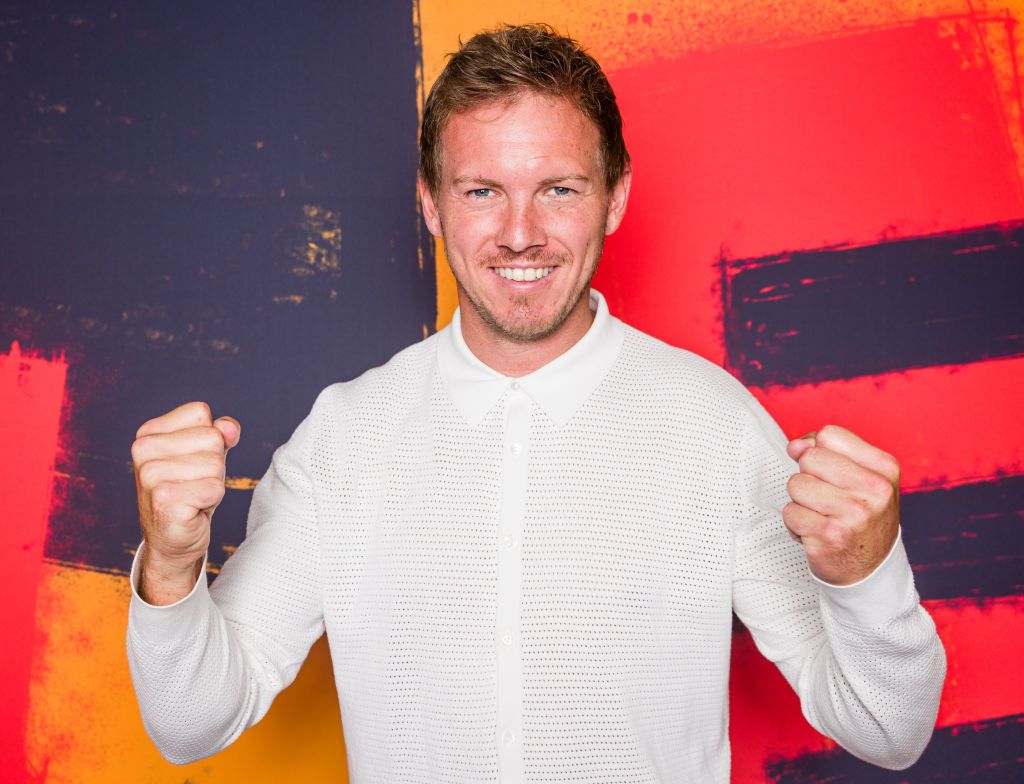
(230, 429)
(798, 446)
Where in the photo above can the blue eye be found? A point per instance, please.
(480, 193)
(560, 190)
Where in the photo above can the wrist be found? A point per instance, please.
(167, 580)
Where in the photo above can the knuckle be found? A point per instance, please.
(790, 512)
(827, 433)
(860, 512)
(834, 536)
(211, 441)
(891, 464)
(810, 456)
(886, 494)
(212, 463)
(148, 426)
(880, 488)
(139, 449)
(793, 483)
(201, 410)
(213, 492)
(148, 473)
(162, 494)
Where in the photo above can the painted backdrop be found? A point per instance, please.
(217, 202)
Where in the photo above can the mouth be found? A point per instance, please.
(525, 274)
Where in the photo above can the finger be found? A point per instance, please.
(837, 469)
(182, 501)
(194, 414)
(850, 445)
(230, 428)
(798, 446)
(801, 521)
(181, 468)
(822, 497)
(180, 442)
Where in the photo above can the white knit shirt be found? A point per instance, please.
(533, 579)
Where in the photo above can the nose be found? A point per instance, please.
(521, 227)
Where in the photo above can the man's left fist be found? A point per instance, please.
(845, 507)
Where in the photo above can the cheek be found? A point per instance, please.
(471, 226)
(578, 229)
(468, 237)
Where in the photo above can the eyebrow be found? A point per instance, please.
(476, 180)
(495, 184)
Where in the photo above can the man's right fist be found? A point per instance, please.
(179, 477)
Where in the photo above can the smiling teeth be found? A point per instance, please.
(518, 273)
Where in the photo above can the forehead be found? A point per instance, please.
(531, 133)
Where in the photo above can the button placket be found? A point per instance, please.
(508, 537)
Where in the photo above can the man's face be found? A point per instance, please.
(523, 210)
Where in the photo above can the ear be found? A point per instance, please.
(617, 205)
(430, 213)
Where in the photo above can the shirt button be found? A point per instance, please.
(506, 639)
(516, 448)
(515, 385)
(508, 738)
(508, 540)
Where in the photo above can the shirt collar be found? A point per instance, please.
(560, 387)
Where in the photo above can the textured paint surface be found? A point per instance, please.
(31, 399)
(766, 723)
(217, 203)
(752, 156)
(965, 541)
(985, 752)
(215, 213)
(950, 298)
(196, 202)
(80, 670)
(947, 424)
(733, 124)
(759, 129)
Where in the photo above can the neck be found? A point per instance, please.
(512, 358)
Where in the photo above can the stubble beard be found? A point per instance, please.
(524, 331)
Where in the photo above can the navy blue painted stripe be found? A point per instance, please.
(966, 541)
(984, 752)
(834, 313)
(204, 201)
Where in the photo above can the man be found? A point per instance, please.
(525, 536)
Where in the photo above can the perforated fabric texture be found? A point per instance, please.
(535, 597)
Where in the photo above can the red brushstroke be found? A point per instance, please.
(31, 396)
(876, 135)
(888, 133)
(983, 652)
(945, 424)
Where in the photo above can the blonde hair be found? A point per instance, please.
(501, 64)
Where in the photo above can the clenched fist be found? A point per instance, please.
(845, 507)
(179, 461)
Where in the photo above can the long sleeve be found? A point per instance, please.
(864, 659)
(209, 666)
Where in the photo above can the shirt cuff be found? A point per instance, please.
(878, 598)
(167, 624)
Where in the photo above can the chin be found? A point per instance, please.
(526, 330)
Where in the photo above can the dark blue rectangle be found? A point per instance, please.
(966, 541)
(817, 315)
(983, 752)
(204, 202)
